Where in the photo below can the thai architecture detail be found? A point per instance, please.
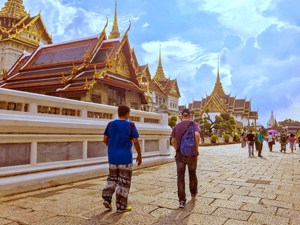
(221, 103)
(160, 91)
(19, 32)
(272, 121)
(115, 29)
(94, 69)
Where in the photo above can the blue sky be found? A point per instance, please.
(258, 42)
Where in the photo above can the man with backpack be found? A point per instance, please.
(250, 141)
(185, 139)
(283, 141)
(119, 136)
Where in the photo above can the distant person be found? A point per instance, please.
(299, 146)
(292, 141)
(243, 140)
(250, 141)
(271, 141)
(256, 141)
(185, 139)
(260, 143)
(119, 136)
(283, 141)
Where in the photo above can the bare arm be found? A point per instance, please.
(105, 140)
(174, 143)
(138, 150)
(197, 140)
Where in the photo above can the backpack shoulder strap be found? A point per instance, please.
(131, 130)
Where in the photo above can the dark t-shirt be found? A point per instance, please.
(119, 142)
(250, 137)
(180, 129)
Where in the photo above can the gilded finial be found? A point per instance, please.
(160, 75)
(115, 29)
(4, 74)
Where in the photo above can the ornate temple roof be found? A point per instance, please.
(218, 101)
(159, 74)
(74, 67)
(115, 29)
(14, 21)
(13, 9)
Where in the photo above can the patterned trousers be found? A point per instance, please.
(119, 181)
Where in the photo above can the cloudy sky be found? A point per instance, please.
(258, 42)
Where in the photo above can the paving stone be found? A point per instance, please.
(65, 220)
(268, 219)
(5, 221)
(217, 195)
(239, 222)
(259, 208)
(204, 220)
(277, 203)
(227, 204)
(246, 199)
(166, 203)
(287, 213)
(31, 217)
(232, 214)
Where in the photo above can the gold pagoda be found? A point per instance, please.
(19, 32)
(219, 102)
(161, 92)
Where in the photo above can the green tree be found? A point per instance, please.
(172, 120)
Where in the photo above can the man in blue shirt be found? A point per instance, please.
(119, 136)
(260, 143)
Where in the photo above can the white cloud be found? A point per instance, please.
(179, 57)
(243, 16)
(292, 111)
(145, 25)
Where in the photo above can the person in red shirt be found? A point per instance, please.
(292, 140)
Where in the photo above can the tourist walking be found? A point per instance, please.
(185, 139)
(271, 141)
(292, 141)
(250, 141)
(243, 140)
(119, 136)
(283, 140)
(260, 143)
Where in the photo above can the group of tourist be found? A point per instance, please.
(120, 135)
(252, 140)
(256, 140)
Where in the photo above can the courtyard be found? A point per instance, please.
(233, 189)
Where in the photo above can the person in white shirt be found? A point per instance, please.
(270, 139)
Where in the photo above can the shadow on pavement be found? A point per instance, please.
(178, 216)
(103, 219)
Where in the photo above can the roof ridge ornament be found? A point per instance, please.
(115, 29)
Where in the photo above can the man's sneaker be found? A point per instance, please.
(127, 209)
(107, 205)
(181, 204)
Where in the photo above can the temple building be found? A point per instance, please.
(160, 91)
(272, 121)
(19, 32)
(96, 69)
(221, 103)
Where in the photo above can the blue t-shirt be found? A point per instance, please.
(120, 142)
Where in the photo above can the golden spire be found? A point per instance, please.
(160, 75)
(13, 9)
(218, 85)
(115, 29)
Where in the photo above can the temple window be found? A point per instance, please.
(116, 96)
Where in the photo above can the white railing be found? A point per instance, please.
(39, 132)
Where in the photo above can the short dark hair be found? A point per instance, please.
(123, 110)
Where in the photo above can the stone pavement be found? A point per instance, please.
(233, 189)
